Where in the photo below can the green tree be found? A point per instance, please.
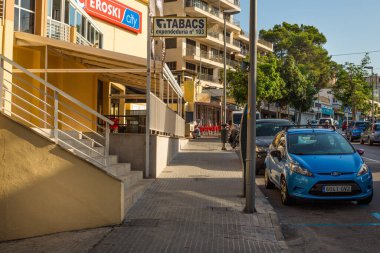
(300, 91)
(306, 66)
(305, 44)
(351, 86)
(270, 86)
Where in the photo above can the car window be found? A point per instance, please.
(269, 128)
(361, 124)
(376, 127)
(318, 144)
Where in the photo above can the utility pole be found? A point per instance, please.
(251, 123)
(148, 80)
(373, 97)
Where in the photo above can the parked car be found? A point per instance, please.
(266, 129)
(371, 134)
(355, 129)
(317, 164)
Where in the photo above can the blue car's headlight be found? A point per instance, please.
(296, 168)
(363, 170)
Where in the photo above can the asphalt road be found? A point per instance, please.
(332, 226)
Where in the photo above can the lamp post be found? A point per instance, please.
(224, 105)
(373, 97)
(251, 122)
(226, 13)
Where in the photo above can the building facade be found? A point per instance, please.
(73, 80)
(199, 62)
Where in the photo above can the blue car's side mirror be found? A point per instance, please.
(360, 151)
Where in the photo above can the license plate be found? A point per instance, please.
(337, 188)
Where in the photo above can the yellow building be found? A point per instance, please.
(73, 78)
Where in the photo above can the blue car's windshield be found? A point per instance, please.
(270, 128)
(329, 143)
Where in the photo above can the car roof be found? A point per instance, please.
(273, 121)
(310, 130)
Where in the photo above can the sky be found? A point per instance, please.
(350, 26)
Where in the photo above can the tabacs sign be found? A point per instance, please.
(179, 27)
(113, 12)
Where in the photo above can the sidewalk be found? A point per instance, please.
(193, 207)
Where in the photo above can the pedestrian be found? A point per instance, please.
(308, 123)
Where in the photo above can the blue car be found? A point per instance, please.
(317, 164)
(355, 130)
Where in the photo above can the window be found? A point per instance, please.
(172, 65)
(190, 66)
(191, 42)
(171, 43)
(24, 16)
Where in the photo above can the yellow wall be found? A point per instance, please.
(82, 86)
(188, 88)
(46, 189)
(121, 40)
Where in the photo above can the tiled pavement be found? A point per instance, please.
(193, 207)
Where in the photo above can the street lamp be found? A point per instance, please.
(224, 105)
(373, 97)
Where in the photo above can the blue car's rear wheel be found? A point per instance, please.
(285, 198)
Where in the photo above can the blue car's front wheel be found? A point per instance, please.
(286, 199)
(365, 201)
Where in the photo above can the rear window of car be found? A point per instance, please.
(376, 127)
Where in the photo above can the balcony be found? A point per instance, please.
(198, 7)
(207, 59)
(61, 31)
(230, 4)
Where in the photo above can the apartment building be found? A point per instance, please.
(72, 82)
(198, 62)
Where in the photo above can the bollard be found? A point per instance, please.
(224, 136)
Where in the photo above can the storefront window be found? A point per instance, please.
(24, 16)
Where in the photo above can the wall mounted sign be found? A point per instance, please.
(179, 27)
(114, 12)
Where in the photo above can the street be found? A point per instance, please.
(332, 226)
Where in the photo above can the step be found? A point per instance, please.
(119, 169)
(131, 178)
(68, 135)
(134, 192)
(77, 143)
(90, 151)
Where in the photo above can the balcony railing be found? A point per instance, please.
(244, 51)
(208, 77)
(82, 40)
(57, 30)
(236, 43)
(266, 43)
(213, 34)
(235, 2)
(2, 10)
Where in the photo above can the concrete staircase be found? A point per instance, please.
(87, 149)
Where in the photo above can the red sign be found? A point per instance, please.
(114, 12)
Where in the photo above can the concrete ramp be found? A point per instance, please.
(46, 189)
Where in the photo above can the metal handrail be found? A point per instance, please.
(49, 114)
(62, 93)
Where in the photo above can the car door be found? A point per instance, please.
(279, 162)
(271, 162)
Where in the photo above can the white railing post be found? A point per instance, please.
(107, 144)
(1, 82)
(56, 117)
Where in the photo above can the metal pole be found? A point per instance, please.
(251, 126)
(1, 83)
(225, 74)
(373, 98)
(148, 80)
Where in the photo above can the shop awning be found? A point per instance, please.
(112, 66)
